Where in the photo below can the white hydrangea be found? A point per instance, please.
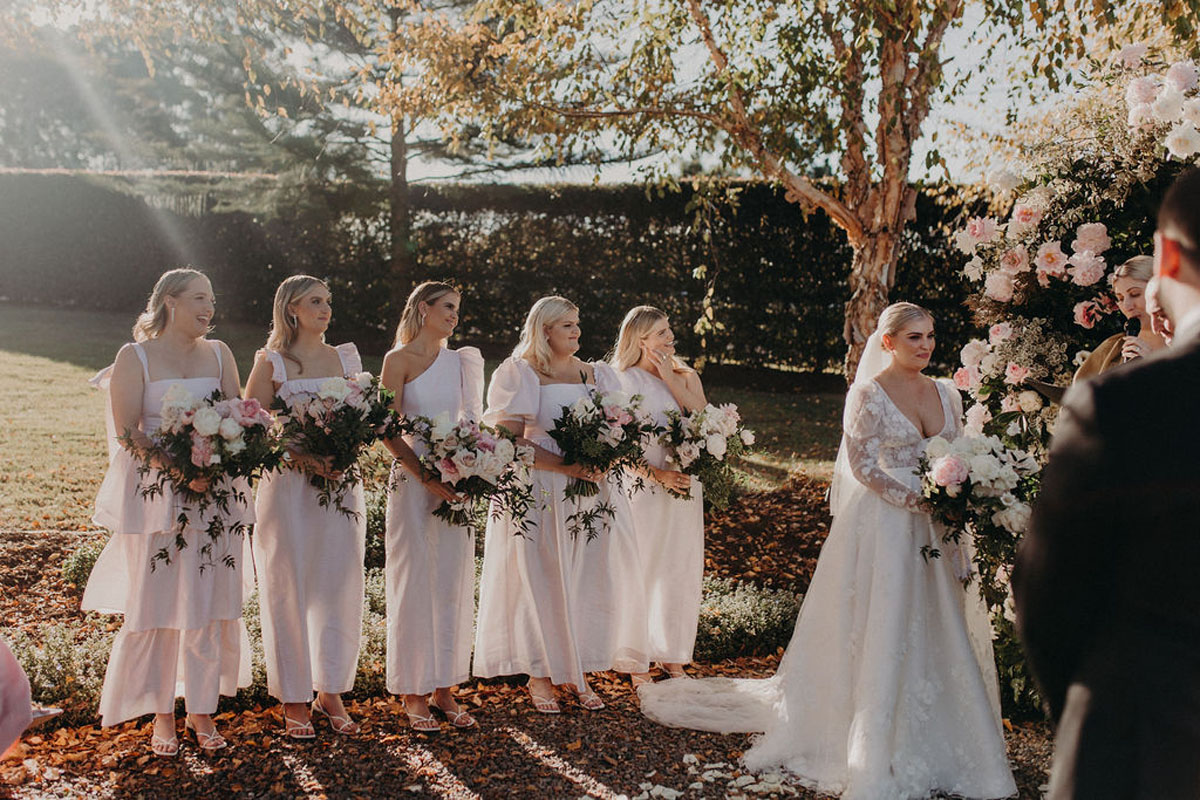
(334, 389)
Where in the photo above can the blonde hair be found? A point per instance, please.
(897, 315)
(534, 346)
(153, 321)
(283, 319)
(635, 327)
(1138, 268)
(411, 318)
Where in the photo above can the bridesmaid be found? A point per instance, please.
(552, 605)
(182, 629)
(430, 563)
(670, 530)
(309, 559)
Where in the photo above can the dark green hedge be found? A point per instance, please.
(780, 275)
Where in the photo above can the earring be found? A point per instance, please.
(422, 320)
(295, 322)
(170, 314)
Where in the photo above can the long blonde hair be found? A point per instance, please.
(153, 321)
(534, 345)
(411, 318)
(634, 328)
(283, 321)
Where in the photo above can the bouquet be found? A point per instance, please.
(211, 439)
(481, 462)
(338, 421)
(977, 485)
(703, 444)
(604, 432)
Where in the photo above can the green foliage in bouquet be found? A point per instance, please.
(606, 432)
(216, 440)
(339, 421)
(705, 444)
(485, 465)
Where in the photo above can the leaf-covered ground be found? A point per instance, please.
(772, 538)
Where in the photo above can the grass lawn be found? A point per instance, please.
(52, 423)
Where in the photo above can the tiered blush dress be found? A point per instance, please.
(183, 632)
(309, 561)
(430, 563)
(670, 537)
(553, 605)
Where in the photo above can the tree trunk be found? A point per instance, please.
(400, 216)
(872, 273)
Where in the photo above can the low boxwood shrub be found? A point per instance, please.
(742, 619)
(77, 567)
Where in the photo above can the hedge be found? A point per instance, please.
(779, 274)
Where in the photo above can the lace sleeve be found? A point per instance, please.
(864, 432)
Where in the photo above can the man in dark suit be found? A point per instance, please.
(1107, 580)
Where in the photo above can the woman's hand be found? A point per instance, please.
(321, 466)
(582, 473)
(199, 485)
(439, 489)
(1133, 347)
(672, 480)
(659, 358)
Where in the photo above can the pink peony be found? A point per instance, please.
(247, 412)
(618, 415)
(1141, 117)
(1015, 261)
(448, 469)
(949, 470)
(1131, 55)
(1086, 314)
(1140, 92)
(1010, 403)
(203, 451)
(1091, 236)
(1025, 217)
(978, 415)
(1051, 259)
(982, 229)
(999, 287)
(999, 333)
(1086, 268)
(1182, 76)
(967, 378)
(1015, 374)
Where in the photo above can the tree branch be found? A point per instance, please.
(747, 135)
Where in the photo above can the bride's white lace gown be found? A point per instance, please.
(888, 688)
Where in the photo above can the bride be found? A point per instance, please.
(888, 688)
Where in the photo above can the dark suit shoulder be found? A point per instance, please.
(1141, 385)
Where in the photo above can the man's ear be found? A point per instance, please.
(1168, 256)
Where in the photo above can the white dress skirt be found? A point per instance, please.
(553, 605)
(670, 537)
(309, 563)
(430, 563)
(182, 634)
(888, 689)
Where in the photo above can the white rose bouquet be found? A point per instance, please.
(482, 463)
(977, 485)
(205, 441)
(704, 444)
(338, 421)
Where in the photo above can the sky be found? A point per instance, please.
(972, 109)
